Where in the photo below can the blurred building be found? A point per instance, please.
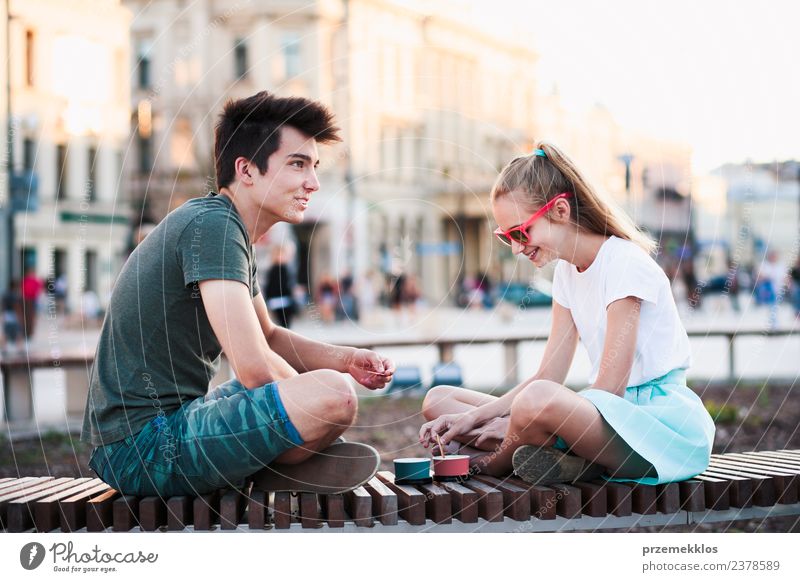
(649, 177)
(430, 109)
(70, 123)
(763, 202)
(5, 182)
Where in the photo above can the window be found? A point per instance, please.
(30, 55)
(291, 54)
(143, 64)
(145, 154)
(91, 175)
(240, 58)
(90, 275)
(61, 171)
(59, 262)
(28, 153)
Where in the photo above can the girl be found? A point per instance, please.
(637, 421)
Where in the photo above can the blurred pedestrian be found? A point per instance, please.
(732, 284)
(347, 305)
(90, 308)
(279, 290)
(773, 277)
(31, 290)
(12, 311)
(794, 275)
(326, 298)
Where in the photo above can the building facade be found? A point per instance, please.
(70, 123)
(429, 107)
(431, 102)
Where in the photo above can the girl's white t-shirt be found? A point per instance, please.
(622, 269)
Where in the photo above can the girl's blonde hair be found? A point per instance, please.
(541, 178)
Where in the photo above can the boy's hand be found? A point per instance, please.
(370, 369)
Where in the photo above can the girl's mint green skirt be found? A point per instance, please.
(664, 421)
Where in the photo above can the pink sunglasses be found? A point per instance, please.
(519, 234)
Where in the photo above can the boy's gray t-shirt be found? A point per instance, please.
(157, 350)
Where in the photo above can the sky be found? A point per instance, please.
(723, 77)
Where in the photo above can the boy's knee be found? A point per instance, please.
(339, 400)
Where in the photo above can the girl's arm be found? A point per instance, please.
(620, 345)
(558, 355)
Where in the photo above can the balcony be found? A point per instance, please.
(24, 191)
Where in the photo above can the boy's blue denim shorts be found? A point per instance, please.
(214, 441)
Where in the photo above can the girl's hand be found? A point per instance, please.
(494, 429)
(447, 426)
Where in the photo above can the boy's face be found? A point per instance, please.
(284, 191)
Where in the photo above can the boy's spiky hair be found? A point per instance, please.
(251, 128)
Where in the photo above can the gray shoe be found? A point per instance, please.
(546, 465)
(343, 466)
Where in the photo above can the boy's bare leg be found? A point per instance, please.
(322, 405)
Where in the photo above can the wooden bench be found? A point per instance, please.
(735, 486)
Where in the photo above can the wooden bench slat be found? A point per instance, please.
(281, 503)
(310, 515)
(205, 511)
(594, 497)
(126, 512)
(717, 492)
(438, 506)
(568, 500)
(20, 511)
(464, 502)
(15, 484)
(46, 511)
(358, 504)
(790, 460)
(257, 508)
(490, 500)
(152, 513)
(180, 512)
(21, 490)
(619, 497)
(692, 494)
(740, 489)
(231, 507)
(643, 499)
(784, 481)
(384, 501)
(333, 509)
(668, 498)
(99, 511)
(516, 500)
(543, 500)
(763, 488)
(73, 510)
(410, 501)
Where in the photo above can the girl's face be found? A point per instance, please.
(545, 236)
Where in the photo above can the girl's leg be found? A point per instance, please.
(546, 409)
(454, 400)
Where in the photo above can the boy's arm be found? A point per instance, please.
(302, 353)
(305, 354)
(230, 311)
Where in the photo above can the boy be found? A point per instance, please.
(188, 292)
